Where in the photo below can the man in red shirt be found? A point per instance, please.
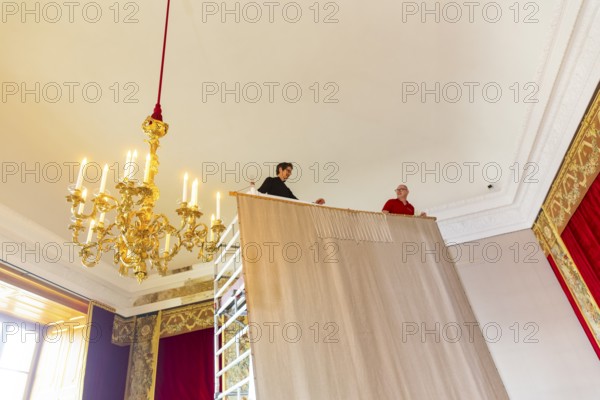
(400, 204)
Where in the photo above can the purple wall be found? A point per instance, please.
(106, 366)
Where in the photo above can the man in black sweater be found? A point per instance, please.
(276, 185)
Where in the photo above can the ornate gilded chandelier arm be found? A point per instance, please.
(102, 204)
(91, 252)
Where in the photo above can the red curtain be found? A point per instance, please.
(185, 367)
(582, 238)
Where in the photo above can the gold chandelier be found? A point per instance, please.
(137, 232)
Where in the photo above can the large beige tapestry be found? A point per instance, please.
(355, 305)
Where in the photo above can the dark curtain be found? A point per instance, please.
(185, 369)
(106, 364)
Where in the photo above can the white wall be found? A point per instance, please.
(551, 358)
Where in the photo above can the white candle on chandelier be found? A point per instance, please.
(168, 243)
(133, 165)
(147, 169)
(218, 205)
(185, 184)
(79, 182)
(101, 219)
(82, 204)
(91, 231)
(127, 165)
(104, 177)
(194, 201)
(212, 223)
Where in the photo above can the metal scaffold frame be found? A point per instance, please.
(233, 366)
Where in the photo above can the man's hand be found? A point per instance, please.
(320, 201)
(423, 214)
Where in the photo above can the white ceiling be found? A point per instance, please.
(352, 152)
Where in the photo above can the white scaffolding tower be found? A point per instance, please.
(233, 366)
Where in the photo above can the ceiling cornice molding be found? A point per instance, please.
(517, 206)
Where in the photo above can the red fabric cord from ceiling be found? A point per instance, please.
(157, 114)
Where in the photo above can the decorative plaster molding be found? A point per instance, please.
(176, 321)
(189, 287)
(577, 77)
(187, 319)
(577, 173)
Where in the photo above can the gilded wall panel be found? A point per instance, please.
(577, 172)
(143, 333)
(143, 357)
(187, 319)
(579, 169)
(122, 334)
(579, 290)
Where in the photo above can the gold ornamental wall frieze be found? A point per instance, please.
(579, 290)
(175, 321)
(122, 333)
(544, 231)
(575, 176)
(143, 334)
(187, 319)
(552, 244)
(143, 358)
(578, 170)
(189, 288)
